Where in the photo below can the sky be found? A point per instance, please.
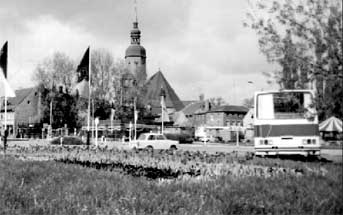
(201, 46)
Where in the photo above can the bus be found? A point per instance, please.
(286, 123)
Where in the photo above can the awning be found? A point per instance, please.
(331, 124)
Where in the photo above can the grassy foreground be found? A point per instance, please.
(36, 187)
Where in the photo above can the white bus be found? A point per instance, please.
(286, 123)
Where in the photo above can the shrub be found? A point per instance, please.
(67, 141)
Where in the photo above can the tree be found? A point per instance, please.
(114, 87)
(217, 101)
(54, 76)
(305, 39)
(57, 70)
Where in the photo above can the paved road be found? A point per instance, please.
(334, 155)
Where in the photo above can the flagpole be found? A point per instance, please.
(89, 98)
(6, 132)
(162, 113)
(135, 118)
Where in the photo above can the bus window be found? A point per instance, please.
(265, 107)
(289, 105)
(283, 105)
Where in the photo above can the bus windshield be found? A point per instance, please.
(283, 105)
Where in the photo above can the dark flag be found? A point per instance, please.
(83, 67)
(82, 87)
(3, 59)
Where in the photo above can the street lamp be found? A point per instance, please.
(162, 95)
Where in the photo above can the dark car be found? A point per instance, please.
(182, 138)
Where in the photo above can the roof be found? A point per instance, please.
(192, 108)
(135, 50)
(153, 91)
(27, 106)
(185, 103)
(230, 108)
(180, 119)
(331, 124)
(21, 94)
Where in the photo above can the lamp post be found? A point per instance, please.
(162, 95)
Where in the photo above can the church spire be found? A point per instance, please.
(135, 32)
(136, 11)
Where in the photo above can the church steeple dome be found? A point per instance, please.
(135, 55)
(135, 49)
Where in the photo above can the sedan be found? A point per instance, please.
(153, 141)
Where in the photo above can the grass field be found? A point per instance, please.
(50, 187)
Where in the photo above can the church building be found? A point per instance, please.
(135, 58)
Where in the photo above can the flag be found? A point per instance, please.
(164, 114)
(82, 87)
(136, 116)
(3, 59)
(113, 111)
(5, 88)
(83, 68)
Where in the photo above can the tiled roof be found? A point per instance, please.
(27, 106)
(230, 108)
(152, 96)
(194, 107)
(21, 94)
(185, 103)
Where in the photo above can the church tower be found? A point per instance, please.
(135, 56)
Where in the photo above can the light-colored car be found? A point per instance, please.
(207, 139)
(154, 141)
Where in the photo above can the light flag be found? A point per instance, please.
(5, 88)
(164, 114)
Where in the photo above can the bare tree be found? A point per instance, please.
(56, 70)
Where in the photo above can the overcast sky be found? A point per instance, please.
(201, 46)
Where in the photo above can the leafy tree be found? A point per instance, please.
(305, 39)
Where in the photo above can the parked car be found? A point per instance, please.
(207, 139)
(153, 141)
(182, 138)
